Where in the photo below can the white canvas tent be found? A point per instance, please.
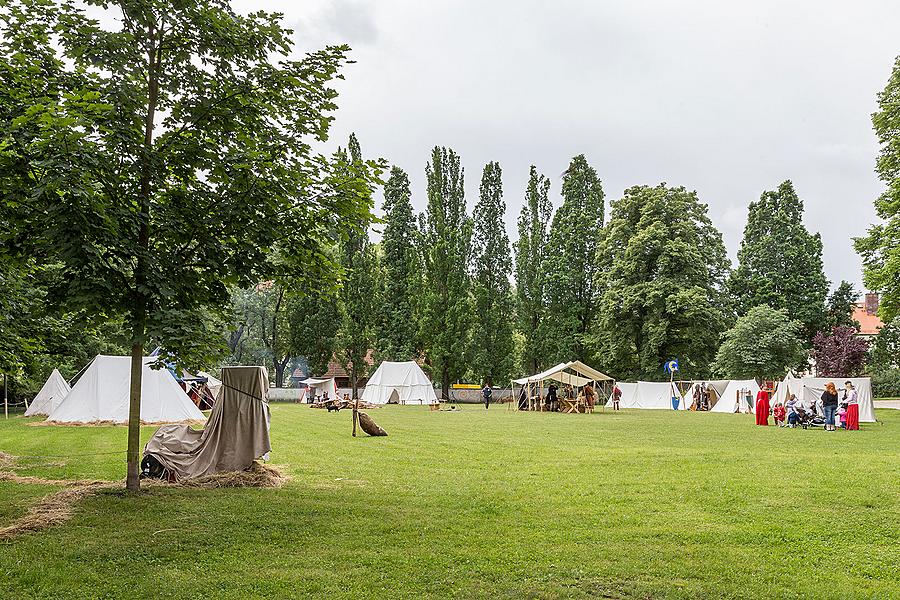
(212, 383)
(789, 385)
(729, 395)
(103, 391)
(52, 393)
(321, 386)
(400, 382)
(648, 394)
(811, 389)
(574, 373)
(718, 386)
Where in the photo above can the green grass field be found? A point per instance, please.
(477, 504)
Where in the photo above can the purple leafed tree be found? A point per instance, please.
(840, 353)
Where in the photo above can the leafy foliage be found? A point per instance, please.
(880, 248)
(763, 344)
(663, 294)
(841, 353)
(400, 272)
(840, 307)
(571, 264)
(446, 245)
(492, 335)
(530, 251)
(780, 262)
(886, 347)
(314, 319)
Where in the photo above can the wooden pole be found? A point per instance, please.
(355, 411)
(5, 396)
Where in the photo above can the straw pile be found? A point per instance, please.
(52, 509)
(258, 475)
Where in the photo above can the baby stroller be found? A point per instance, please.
(809, 418)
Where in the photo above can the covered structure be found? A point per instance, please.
(51, 395)
(103, 393)
(809, 390)
(649, 394)
(321, 386)
(236, 434)
(729, 397)
(574, 373)
(399, 383)
(212, 383)
(714, 388)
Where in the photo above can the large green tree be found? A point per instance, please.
(162, 156)
(571, 264)
(400, 272)
(531, 280)
(880, 248)
(663, 293)
(840, 306)
(360, 282)
(780, 262)
(492, 335)
(763, 344)
(314, 319)
(446, 244)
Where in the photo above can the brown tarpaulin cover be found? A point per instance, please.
(236, 434)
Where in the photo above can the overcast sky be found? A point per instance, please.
(725, 98)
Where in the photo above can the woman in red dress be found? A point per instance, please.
(762, 407)
(851, 398)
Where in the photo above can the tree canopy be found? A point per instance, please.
(763, 344)
(663, 292)
(840, 352)
(780, 262)
(880, 248)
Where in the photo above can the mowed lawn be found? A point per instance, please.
(476, 504)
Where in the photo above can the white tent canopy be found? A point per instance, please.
(574, 373)
(322, 386)
(212, 383)
(718, 386)
(728, 398)
(790, 385)
(401, 382)
(103, 392)
(811, 389)
(647, 394)
(52, 393)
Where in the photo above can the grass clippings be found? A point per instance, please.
(51, 510)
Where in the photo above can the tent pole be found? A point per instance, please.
(5, 396)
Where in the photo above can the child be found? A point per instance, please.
(778, 412)
(842, 416)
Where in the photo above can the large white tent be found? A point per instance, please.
(718, 386)
(400, 382)
(811, 389)
(321, 386)
(52, 393)
(729, 396)
(103, 391)
(647, 394)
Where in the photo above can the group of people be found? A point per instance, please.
(551, 401)
(838, 410)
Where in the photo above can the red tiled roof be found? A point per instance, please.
(869, 324)
(335, 369)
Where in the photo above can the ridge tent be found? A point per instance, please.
(52, 393)
(648, 394)
(236, 434)
(789, 385)
(729, 395)
(718, 386)
(399, 382)
(319, 386)
(629, 395)
(104, 389)
(811, 389)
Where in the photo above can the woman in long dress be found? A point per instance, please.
(851, 397)
(762, 407)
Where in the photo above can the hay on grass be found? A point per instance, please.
(6, 460)
(52, 509)
(258, 475)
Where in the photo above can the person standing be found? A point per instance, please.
(851, 399)
(616, 397)
(552, 398)
(762, 407)
(589, 397)
(829, 405)
(486, 394)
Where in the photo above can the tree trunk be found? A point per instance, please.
(276, 362)
(280, 366)
(354, 383)
(141, 302)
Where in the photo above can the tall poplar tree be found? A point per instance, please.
(663, 293)
(530, 277)
(446, 242)
(880, 247)
(492, 334)
(571, 265)
(780, 262)
(399, 261)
